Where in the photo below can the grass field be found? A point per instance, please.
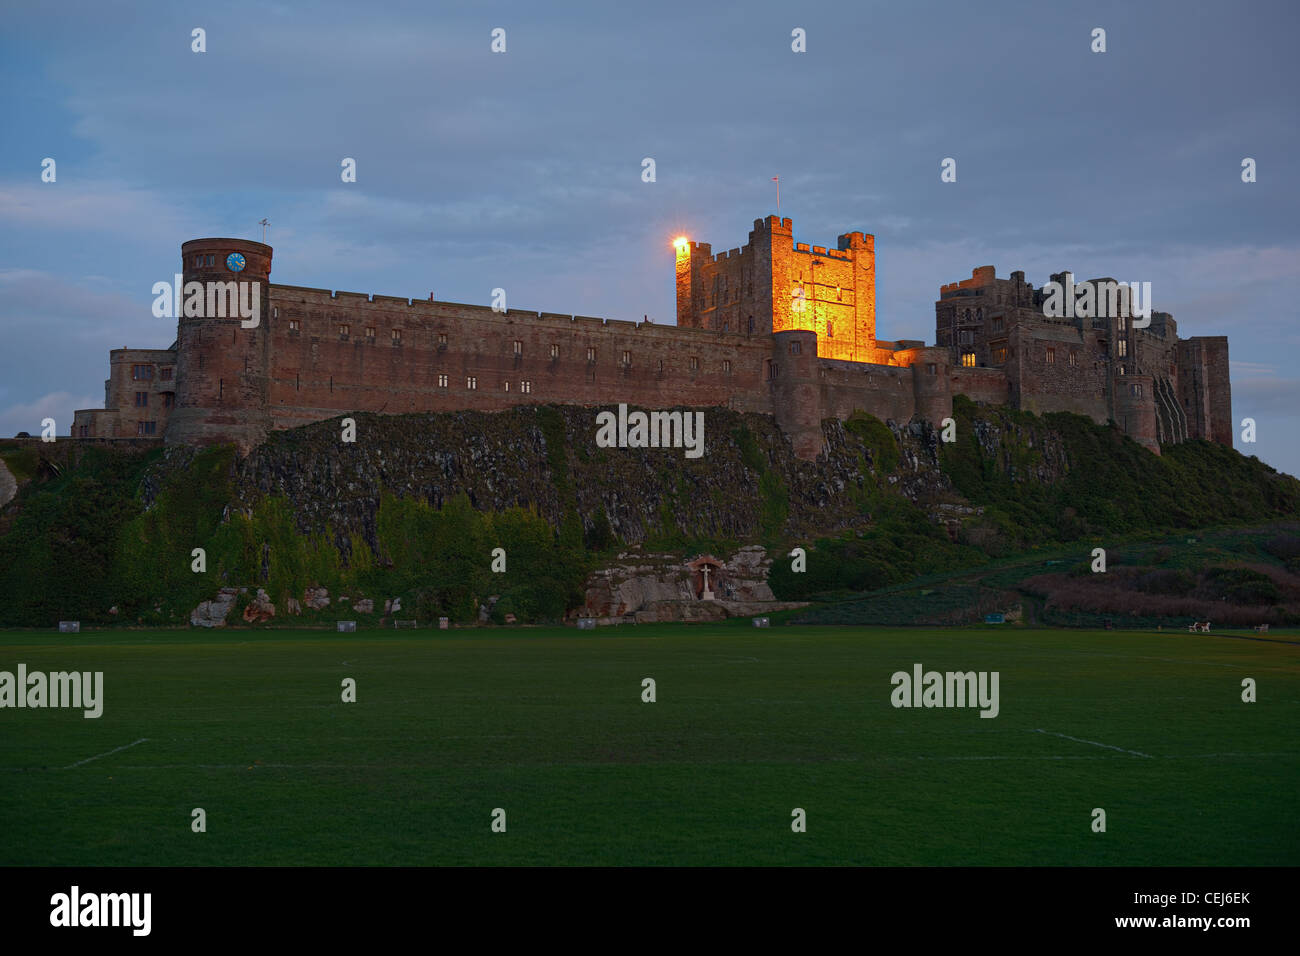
(749, 724)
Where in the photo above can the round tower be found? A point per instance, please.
(1135, 409)
(222, 344)
(931, 384)
(796, 390)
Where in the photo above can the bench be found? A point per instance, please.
(397, 623)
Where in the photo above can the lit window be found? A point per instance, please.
(999, 354)
(526, 387)
(726, 366)
(295, 325)
(397, 336)
(591, 355)
(1136, 389)
(1120, 321)
(442, 339)
(442, 380)
(968, 359)
(1051, 356)
(695, 363)
(555, 351)
(507, 386)
(344, 329)
(627, 357)
(370, 332)
(1121, 348)
(519, 347)
(471, 383)
(1074, 359)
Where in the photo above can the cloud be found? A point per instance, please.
(27, 416)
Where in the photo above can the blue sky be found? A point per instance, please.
(522, 170)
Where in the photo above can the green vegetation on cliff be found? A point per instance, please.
(415, 507)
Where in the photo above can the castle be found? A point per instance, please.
(774, 327)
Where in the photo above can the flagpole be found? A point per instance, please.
(777, 180)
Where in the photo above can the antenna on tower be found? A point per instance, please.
(263, 223)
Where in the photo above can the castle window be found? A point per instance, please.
(198, 261)
(966, 316)
(999, 354)
(1123, 370)
(996, 325)
(471, 383)
(968, 359)
(141, 399)
(84, 431)
(370, 332)
(661, 365)
(627, 357)
(344, 330)
(751, 324)
(1120, 323)
(146, 428)
(726, 366)
(442, 379)
(397, 336)
(796, 348)
(839, 294)
(965, 337)
(1074, 359)
(169, 399)
(770, 366)
(830, 329)
(165, 373)
(1051, 356)
(142, 373)
(1173, 369)
(295, 325)
(507, 385)
(212, 260)
(591, 355)
(979, 315)
(275, 312)
(1135, 389)
(555, 351)
(526, 387)
(442, 340)
(1121, 348)
(519, 347)
(695, 364)
(931, 369)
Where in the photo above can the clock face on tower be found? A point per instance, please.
(235, 262)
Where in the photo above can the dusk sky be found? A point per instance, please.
(522, 170)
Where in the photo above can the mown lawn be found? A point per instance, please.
(549, 725)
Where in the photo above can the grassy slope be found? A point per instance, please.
(549, 725)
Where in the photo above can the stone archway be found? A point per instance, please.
(706, 574)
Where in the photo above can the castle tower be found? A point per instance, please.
(222, 367)
(796, 390)
(773, 284)
(931, 384)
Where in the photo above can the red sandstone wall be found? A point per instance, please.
(318, 373)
